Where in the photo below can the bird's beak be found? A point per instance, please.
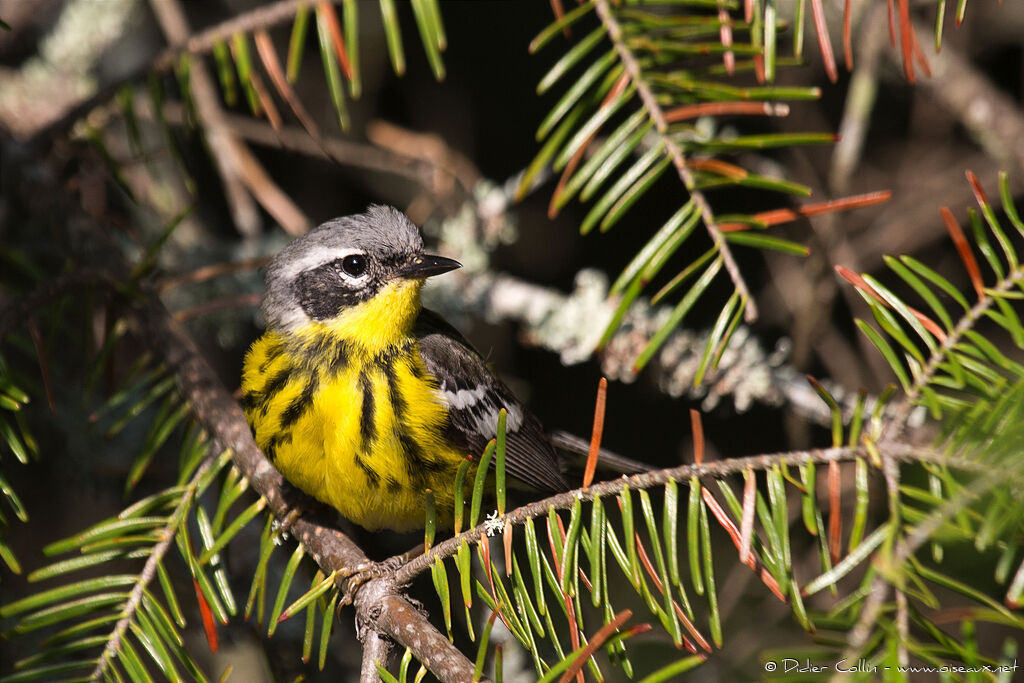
(426, 265)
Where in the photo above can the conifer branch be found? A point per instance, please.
(906, 545)
(880, 585)
(382, 610)
(896, 452)
(654, 110)
(967, 322)
(149, 570)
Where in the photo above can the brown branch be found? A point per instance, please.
(297, 139)
(344, 152)
(375, 651)
(379, 604)
(250, 300)
(428, 148)
(654, 110)
(174, 25)
(214, 270)
(289, 138)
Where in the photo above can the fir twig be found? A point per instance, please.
(657, 115)
(896, 452)
(149, 570)
(895, 427)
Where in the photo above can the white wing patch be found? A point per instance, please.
(464, 398)
(478, 404)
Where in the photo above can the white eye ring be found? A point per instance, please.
(352, 267)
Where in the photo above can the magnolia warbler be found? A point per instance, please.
(362, 398)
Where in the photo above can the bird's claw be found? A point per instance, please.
(364, 572)
(284, 525)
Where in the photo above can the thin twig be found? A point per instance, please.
(991, 116)
(924, 531)
(571, 324)
(869, 614)
(174, 24)
(344, 152)
(905, 547)
(226, 303)
(429, 148)
(44, 364)
(654, 110)
(860, 102)
(259, 18)
(378, 603)
(214, 270)
(296, 139)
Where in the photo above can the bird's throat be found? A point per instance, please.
(385, 320)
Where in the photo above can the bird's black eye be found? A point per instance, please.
(354, 264)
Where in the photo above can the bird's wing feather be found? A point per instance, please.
(579, 449)
(474, 397)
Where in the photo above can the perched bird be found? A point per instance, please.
(362, 398)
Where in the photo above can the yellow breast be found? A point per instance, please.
(349, 414)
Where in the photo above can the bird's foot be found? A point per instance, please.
(283, 526)
(355, 577)
(296, 505)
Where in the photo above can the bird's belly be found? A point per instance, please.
(369, 443)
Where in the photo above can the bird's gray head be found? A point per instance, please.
(342, 263)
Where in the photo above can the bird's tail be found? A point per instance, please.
(606, 460)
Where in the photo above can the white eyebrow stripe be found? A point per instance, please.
(314, 259)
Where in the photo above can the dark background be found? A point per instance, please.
(486, 109)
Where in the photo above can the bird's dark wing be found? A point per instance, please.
(475, 396)
(578, 449)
